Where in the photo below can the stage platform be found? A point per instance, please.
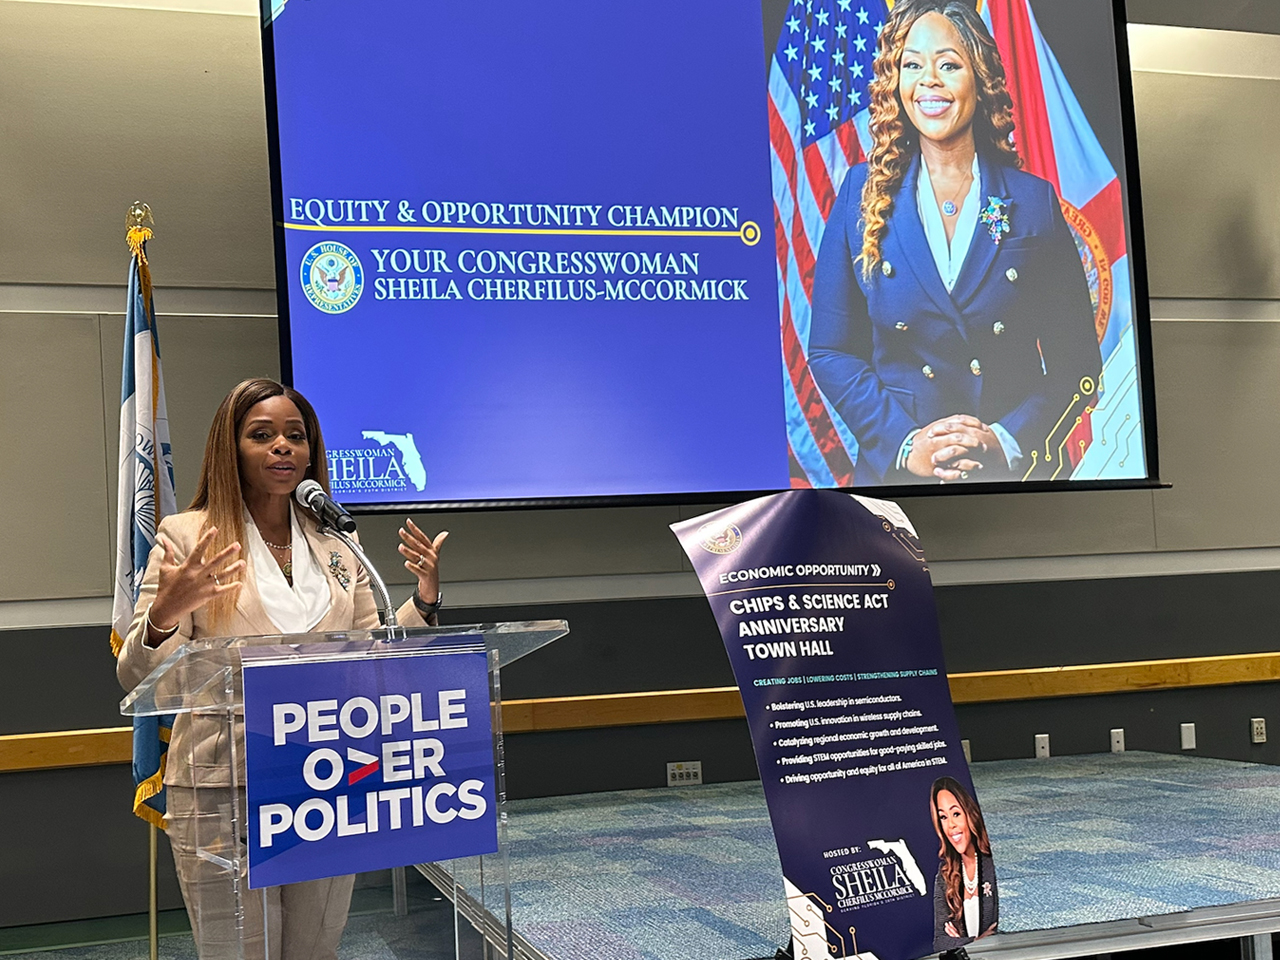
(1083, 846)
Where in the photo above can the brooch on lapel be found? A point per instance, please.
(996, 219)
(986, 889)
(339, 569)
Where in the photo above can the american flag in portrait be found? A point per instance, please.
(818, 115)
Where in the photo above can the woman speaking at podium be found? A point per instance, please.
(245, 560)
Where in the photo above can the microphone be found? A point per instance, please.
(331, 513)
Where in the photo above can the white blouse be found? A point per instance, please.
(295, 609)
(948, 257)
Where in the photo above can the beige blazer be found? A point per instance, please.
(198, 751)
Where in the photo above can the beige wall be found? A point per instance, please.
(1213, 220)
(104, 105)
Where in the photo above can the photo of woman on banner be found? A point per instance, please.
(952, 325)
(966, 904)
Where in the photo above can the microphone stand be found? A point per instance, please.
(399, 885)
(379, 585)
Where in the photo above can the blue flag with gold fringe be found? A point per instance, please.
(145, 496)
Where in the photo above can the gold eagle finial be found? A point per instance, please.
(136, 230)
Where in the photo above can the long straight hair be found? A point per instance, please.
(952, 864)
(220, 491)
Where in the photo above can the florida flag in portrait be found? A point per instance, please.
(1057, 144)
(818, 126)
(145, 496)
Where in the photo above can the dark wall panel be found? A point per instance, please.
(60, 678)
(614, 646)
(73, 848)
(1014, 625)
(1151, 721)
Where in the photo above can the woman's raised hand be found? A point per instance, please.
(185, 586)
(422, 559)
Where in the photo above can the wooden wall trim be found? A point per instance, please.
(1073, 681)
(78, 748)
(621, 709)
(66, 748)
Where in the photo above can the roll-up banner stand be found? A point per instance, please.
(826, 609)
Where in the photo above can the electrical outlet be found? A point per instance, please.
(684, 772)
(1258, 730)
(1042, 746)
(1188, 736)
(968, 754)
(1117, 739)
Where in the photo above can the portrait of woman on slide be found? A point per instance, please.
(952, 325)
(966, 904)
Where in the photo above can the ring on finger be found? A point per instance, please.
(964, 474)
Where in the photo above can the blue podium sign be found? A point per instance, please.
(365, 763)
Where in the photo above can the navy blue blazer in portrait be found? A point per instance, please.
(988, 907)
(1010, 344)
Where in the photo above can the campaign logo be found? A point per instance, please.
(366, 763)
(332, 277)
(719, 537)
(393, 465)
(885, 872)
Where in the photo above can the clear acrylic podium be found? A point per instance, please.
(202, 680)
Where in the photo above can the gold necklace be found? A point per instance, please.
(287, 567)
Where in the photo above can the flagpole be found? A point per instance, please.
(139, 215)
(148, 797)
(153, 914)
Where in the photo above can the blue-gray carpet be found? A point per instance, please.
(685, 873)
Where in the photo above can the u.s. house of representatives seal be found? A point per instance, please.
(332, 277)
(719, 538)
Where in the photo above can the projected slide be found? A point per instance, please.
(573, 249)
